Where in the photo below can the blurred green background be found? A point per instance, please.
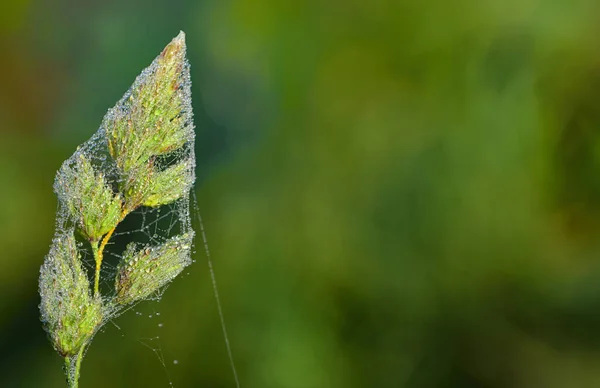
(396, 193)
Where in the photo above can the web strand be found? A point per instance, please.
(216, 291)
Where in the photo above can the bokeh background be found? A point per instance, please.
(396, 193)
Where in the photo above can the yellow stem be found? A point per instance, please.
(99, 254)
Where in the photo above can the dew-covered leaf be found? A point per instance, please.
(68, 311)
(155, 116)
(148, 187)
(144, 270)
(170, 185)
(91, 202)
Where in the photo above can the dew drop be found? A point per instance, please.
(175, 362)
(160, 325)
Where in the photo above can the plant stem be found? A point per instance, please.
(99, 253)
(98, 259)
(73, 375)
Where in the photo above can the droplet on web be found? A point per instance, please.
(175, 362)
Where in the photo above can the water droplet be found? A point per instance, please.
(175, 362)
(160, 325)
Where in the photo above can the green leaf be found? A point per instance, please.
(91, 202)
(155, 116)
(169, 185)
(69, 313)
(144, 271)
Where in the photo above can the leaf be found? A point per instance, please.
(143, 272)
(152, 188)
(155, 116)
(170, 185)
(68, 311)
(89, 199)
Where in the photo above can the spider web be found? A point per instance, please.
(147, 227)
(91, 179)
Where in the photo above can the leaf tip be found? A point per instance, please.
(176, 47)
